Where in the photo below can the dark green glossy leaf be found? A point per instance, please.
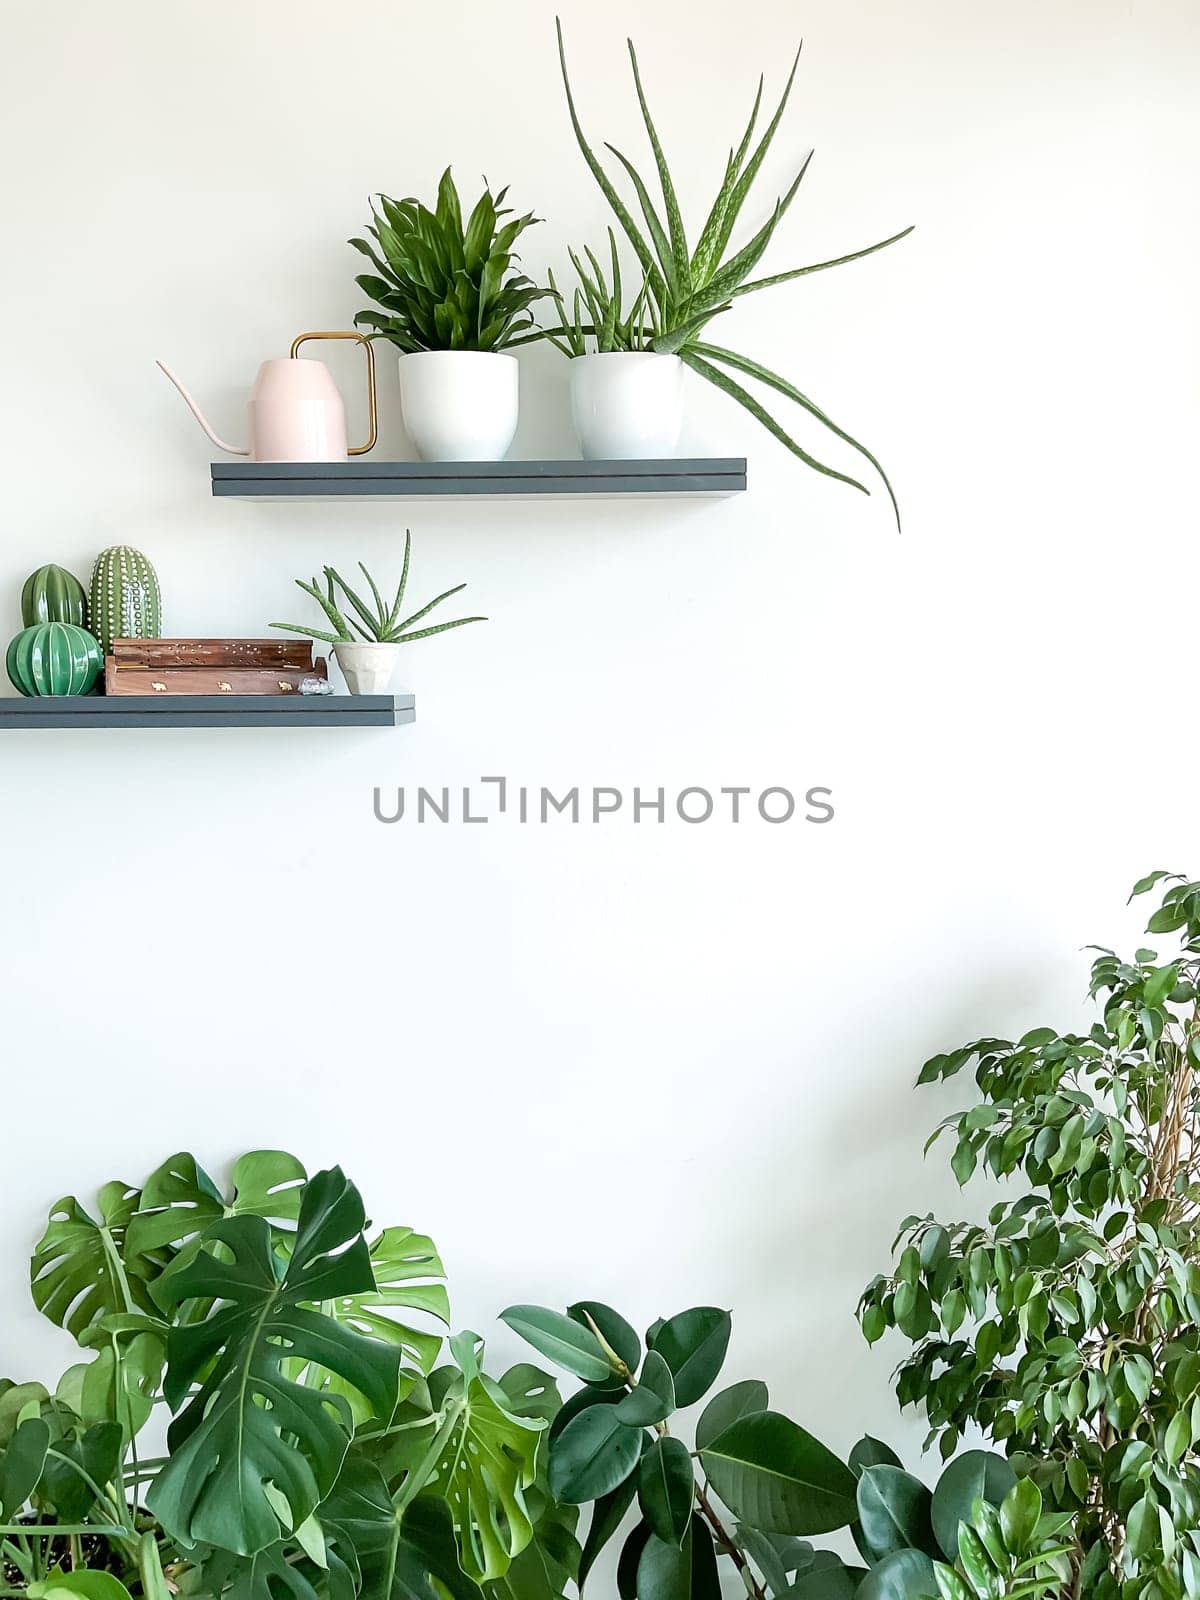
(904, 1575)
(871, 1452)
(665, 1489)
(893, 1512)
(592, 1455)
(562, 1340)
(775, 1476)
(978, 1474)
(693, 1345)
(653, 1398)
(616, 1332)
(724, 1409)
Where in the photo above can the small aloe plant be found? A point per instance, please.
(379, 623)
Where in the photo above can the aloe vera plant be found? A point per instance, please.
(596, 309)
(443, 285)
(688, 286)
(376, 623)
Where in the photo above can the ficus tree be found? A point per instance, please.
(1068, 1326)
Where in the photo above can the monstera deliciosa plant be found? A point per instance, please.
(1068, 1326)
(315, 1447)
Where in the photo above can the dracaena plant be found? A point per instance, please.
(376, 622)
(316, 1450)
(1068, 1326)
(690, 284)
(443, 284)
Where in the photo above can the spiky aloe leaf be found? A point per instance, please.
(632, 231)
(755, 369)
(662, 245)
(442, 627)
(729, 386)
(679, 245)
(819, 266)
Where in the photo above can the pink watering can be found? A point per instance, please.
(296, 412)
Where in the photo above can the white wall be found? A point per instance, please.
(655, 1065)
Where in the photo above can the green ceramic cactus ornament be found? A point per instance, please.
(54, 658)
(126, 601)
(52, 594)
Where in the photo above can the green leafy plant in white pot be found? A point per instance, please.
(453, 305)
(366, 638)
(685, 287)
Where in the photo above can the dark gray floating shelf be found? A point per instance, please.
(352, 480)
(210, 711)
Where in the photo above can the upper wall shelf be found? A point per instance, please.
(350, 480)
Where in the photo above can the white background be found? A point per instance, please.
(655, 1065)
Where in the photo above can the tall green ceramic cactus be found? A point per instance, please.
(52, 594)
(126, 600)
(54, 658)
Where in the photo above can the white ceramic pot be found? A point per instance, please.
(627, 406)
(367, 668)
(460, 405)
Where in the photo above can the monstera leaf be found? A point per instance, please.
(403, 1263)
(252, 1451)
(179, 1201)
(78, 1273)
(487, 1462)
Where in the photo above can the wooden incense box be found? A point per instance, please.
(210, 666)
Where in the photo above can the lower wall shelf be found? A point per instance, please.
(210, 711)
(426, 480)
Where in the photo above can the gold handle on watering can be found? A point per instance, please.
(359, 449)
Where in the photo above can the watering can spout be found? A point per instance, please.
(233, 449)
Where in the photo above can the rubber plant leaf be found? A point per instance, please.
(250, 1442)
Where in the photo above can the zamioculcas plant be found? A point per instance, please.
(316, 1450)
(1068, 1326)
(443, 284)
(689, 284)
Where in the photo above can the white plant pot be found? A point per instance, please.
(367, 668)
(627, 406)
(460, 405)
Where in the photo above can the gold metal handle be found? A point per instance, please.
(358, 449)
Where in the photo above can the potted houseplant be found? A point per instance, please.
(626, 397)
(687, 286)
(366, 637)
(755, 1486)
(453, 306)
(1067, 1325)
(319, 1443)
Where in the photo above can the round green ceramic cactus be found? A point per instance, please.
(126, 601)
(54, 658)
(52, 594)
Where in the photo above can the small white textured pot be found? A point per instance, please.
(367, 668)
(460, 405)
(627, 406)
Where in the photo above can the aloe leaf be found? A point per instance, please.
(403, 584)
(733, 196)
(307, 632)
(610, 194)
(723, 282)
(426, 633)
(327, 606)
(425, 610)
(370, 622)
(671, 343)
(679, 246)
(381, 609)
(729, 386)
(819, 266)
(755, 369)
(662, 244)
